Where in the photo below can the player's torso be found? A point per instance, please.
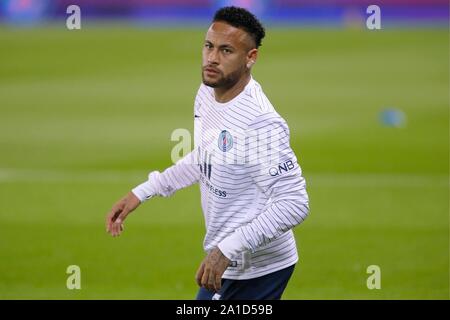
(220, 145)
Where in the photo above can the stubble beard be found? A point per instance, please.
(223, 82)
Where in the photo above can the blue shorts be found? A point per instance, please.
(268, 287)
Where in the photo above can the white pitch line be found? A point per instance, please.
(312, 179)
(371, 180)
(31, 175)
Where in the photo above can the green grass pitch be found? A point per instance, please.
(84, 115)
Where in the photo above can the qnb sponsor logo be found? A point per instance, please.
(281, 168)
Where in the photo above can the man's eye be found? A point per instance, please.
(207, 45)
(226, 50)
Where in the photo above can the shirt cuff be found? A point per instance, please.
(144, 191)
(232, 245)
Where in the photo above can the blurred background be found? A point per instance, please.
(86, 114)
(181, 12)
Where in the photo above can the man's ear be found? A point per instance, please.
(252, 55)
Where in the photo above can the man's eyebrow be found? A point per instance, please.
(222, 46)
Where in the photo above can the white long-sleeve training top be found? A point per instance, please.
(252, 189)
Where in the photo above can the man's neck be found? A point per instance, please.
(224, 95)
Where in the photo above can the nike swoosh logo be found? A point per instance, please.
(196, 116)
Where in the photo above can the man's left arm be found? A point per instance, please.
(279, 176)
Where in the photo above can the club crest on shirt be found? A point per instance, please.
(225, 142)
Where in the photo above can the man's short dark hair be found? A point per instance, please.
(243, 19)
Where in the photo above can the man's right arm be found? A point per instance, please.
(181, 175)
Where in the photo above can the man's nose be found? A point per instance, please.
(213, 57)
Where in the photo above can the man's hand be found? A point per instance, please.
(209, 275)
(119, 212)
